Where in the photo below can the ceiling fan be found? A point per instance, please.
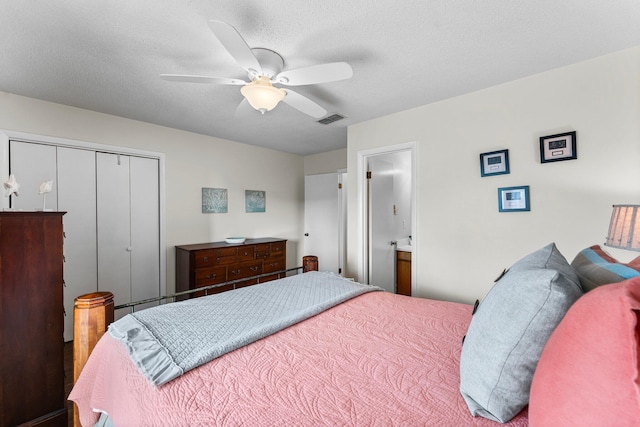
(264, 68)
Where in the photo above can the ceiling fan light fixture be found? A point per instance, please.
(262, 95)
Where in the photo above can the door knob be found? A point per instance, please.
(129, 249)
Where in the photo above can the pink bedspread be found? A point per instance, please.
(378, 359)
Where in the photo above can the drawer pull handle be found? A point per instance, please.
(211, 276)
(205, 259)
(253, 268)
(235, 272)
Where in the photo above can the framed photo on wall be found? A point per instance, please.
(514, 199)
(554, 148)
(494, 163)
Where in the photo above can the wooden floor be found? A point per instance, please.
(68, 377)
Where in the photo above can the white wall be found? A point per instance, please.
(193, 161)
(328, 162)
(463, 243)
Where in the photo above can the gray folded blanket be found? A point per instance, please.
(169, 340)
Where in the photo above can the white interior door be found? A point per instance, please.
(381, 251)
(145, 228)
(113, 222)
(76, 177)
(321, 220)
(32, 164)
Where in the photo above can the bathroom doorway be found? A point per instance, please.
(387, 200)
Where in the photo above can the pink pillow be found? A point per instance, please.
(588, 373)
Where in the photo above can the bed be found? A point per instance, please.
(373, 359)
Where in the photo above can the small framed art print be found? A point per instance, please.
(255, 201)
(513, 199)
(554, 148)
(214, 200)
(494, 163)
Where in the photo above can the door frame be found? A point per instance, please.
(342, 219)
(6, 135)
(363, 223)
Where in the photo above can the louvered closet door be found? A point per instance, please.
(76, 177)
(113, 222)
(32, 164)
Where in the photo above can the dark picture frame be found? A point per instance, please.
(514, 199)
(494, 163)
(558, 147)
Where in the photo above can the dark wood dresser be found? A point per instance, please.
(31, 319)
(212, 263)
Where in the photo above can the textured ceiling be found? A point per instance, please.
(106, 56)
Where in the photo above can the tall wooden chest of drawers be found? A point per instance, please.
(206, 264)
(31, 319)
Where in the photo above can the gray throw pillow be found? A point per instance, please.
(509, 329)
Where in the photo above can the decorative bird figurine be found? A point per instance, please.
(11, 185)
(46, 187)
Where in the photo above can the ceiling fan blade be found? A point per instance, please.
(304, 104)
(321, 73)
(201, 79)
(236, 46)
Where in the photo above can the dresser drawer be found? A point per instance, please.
(278, 249)
(245, 269)
(262, 250)
(270, 250)
(246, 253)
(226, 256)
(271, 277)
(205, 258)
(274, 264)
(221, 288)
(210, 276)
(246, 283)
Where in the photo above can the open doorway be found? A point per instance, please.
(387, 204)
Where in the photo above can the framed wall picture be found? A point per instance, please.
(255, 201)
(514, 199)
(554, 148)
(494, 163)
(214, 200)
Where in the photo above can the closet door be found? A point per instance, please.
(76, 177)
(145, 228)
(113, 225)
(128, 202)
(33, 164)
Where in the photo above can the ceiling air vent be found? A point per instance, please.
(330, 119)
